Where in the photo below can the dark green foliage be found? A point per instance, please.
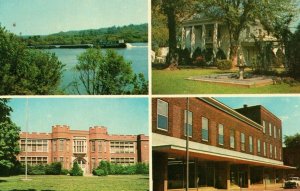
(54, 168)
(76, 170)
(184, 57)
(208, 54)
(220, 54)
(130, 33)
(9, 136)
(24, 71)
(224, 64)
(64, 171)
(292, 141)
(107, 73)
(142, 168)
(292, 54)
(99, 172)
(106, 168)
(36, 170)
(198, 58)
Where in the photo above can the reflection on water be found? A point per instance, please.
(136, 53)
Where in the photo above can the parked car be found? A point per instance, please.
(292, 182)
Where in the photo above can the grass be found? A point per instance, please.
(173, 82)
(62, 182)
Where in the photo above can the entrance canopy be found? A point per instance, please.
(177, 147)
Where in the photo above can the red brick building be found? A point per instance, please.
(87, 148)
(227, 148)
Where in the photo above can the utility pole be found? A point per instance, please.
(187, 143)
(27, 110)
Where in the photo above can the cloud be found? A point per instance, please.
(284, 117)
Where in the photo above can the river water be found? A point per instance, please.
(137, 54)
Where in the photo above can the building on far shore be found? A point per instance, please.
(87, 148)
(227, 148)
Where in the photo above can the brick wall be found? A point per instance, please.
(215, 116)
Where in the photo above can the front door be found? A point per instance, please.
(82, 163)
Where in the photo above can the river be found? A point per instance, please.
(137, 54)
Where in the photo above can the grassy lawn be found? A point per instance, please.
(173, 82)
(61, 182)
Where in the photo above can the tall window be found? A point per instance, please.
(232, 139)
(250, 144)
(279, 133)
(122, 147)
(61, 159)
(275, 152)
(270, 129)
(100, 146)
(271, 151)
(204, 130)
(265, 149)
(79, 145)
(93, 163)
(34, 145)
(221, 134)
(188, 122)
(162, 115)
(93, 146)
(275, 132)
(242, 141)
(264, 126)
(32, 160)
(54, 145)
(258, 146)
(67, 142)
(61, 145)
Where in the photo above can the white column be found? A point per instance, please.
(183, 38)
(193, 39)
(215, 39)
(203, 37)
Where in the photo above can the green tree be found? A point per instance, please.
(76, 170)
(9, 136)
(107, 73)
(292, 140)
(24, 71)
(175, 12)
(292, 54)
(237, 15)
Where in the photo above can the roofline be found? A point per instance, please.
(231, 112)
(263, 108)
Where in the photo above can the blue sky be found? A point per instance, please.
(119, 115)
(40, 17)
(286, 108)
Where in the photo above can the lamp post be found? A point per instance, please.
(187, 143)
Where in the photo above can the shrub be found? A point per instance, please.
(99, 172)
(64, 171)
(220, 54)
(184, 57)
(142, 168)
(76, 170)
(54, 168)
(224, 64)
(37, 170)
(208, 54)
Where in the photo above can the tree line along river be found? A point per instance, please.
(137, 54)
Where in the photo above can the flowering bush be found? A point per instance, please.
(199, 60)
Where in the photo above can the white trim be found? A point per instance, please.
(162, 140)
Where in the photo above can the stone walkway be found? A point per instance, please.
(231, 80)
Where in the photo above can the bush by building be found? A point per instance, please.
(224, 64)
(76, 170)
(106, 168)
